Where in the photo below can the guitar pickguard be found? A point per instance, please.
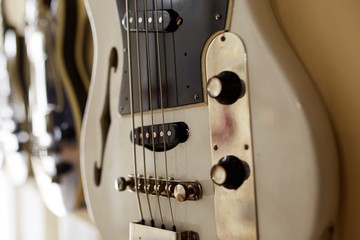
(180, 47)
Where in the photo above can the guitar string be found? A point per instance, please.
(131, 96)
(162, 108)
(142, 134)
(147, 21)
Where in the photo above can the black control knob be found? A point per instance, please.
(230, 172)
(226, 87)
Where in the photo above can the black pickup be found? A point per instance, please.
(161, 137)
(166, 63)
(161, 21)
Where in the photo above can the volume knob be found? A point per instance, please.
(226, 87)
(230, 172)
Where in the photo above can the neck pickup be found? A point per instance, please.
(152, 21)
(161, 137)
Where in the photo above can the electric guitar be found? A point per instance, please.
(14, 77)
(207, 125)
(57, 98)
(6, 123)
(18, 162)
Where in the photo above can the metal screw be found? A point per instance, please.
(179, 21)
(121, 184)
(196, 96)
(150, 184)
(160, 186)
(218, 16)
(180, 192)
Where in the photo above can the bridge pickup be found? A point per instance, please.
(138, 231)
(162, 21)
(153, 137)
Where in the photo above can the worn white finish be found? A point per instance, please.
(294, 153)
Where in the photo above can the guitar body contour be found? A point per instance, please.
(277, 125)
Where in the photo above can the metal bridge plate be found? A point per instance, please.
(142, 232)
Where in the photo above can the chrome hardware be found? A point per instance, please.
(138, 231)
(180, 190)
(121, 184)
(230, 128)
(183, 192)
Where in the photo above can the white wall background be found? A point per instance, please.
(23, 216)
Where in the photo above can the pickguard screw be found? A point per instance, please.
(218, 16)
(179, 21)
(196, 96)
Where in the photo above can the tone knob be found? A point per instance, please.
(226, 87)
(230, 172)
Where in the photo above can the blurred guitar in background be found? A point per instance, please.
(55, 40)
(15, 71)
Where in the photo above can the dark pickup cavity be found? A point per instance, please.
(161, 21)
(153, 137)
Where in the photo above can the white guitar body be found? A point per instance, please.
(294, 157)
